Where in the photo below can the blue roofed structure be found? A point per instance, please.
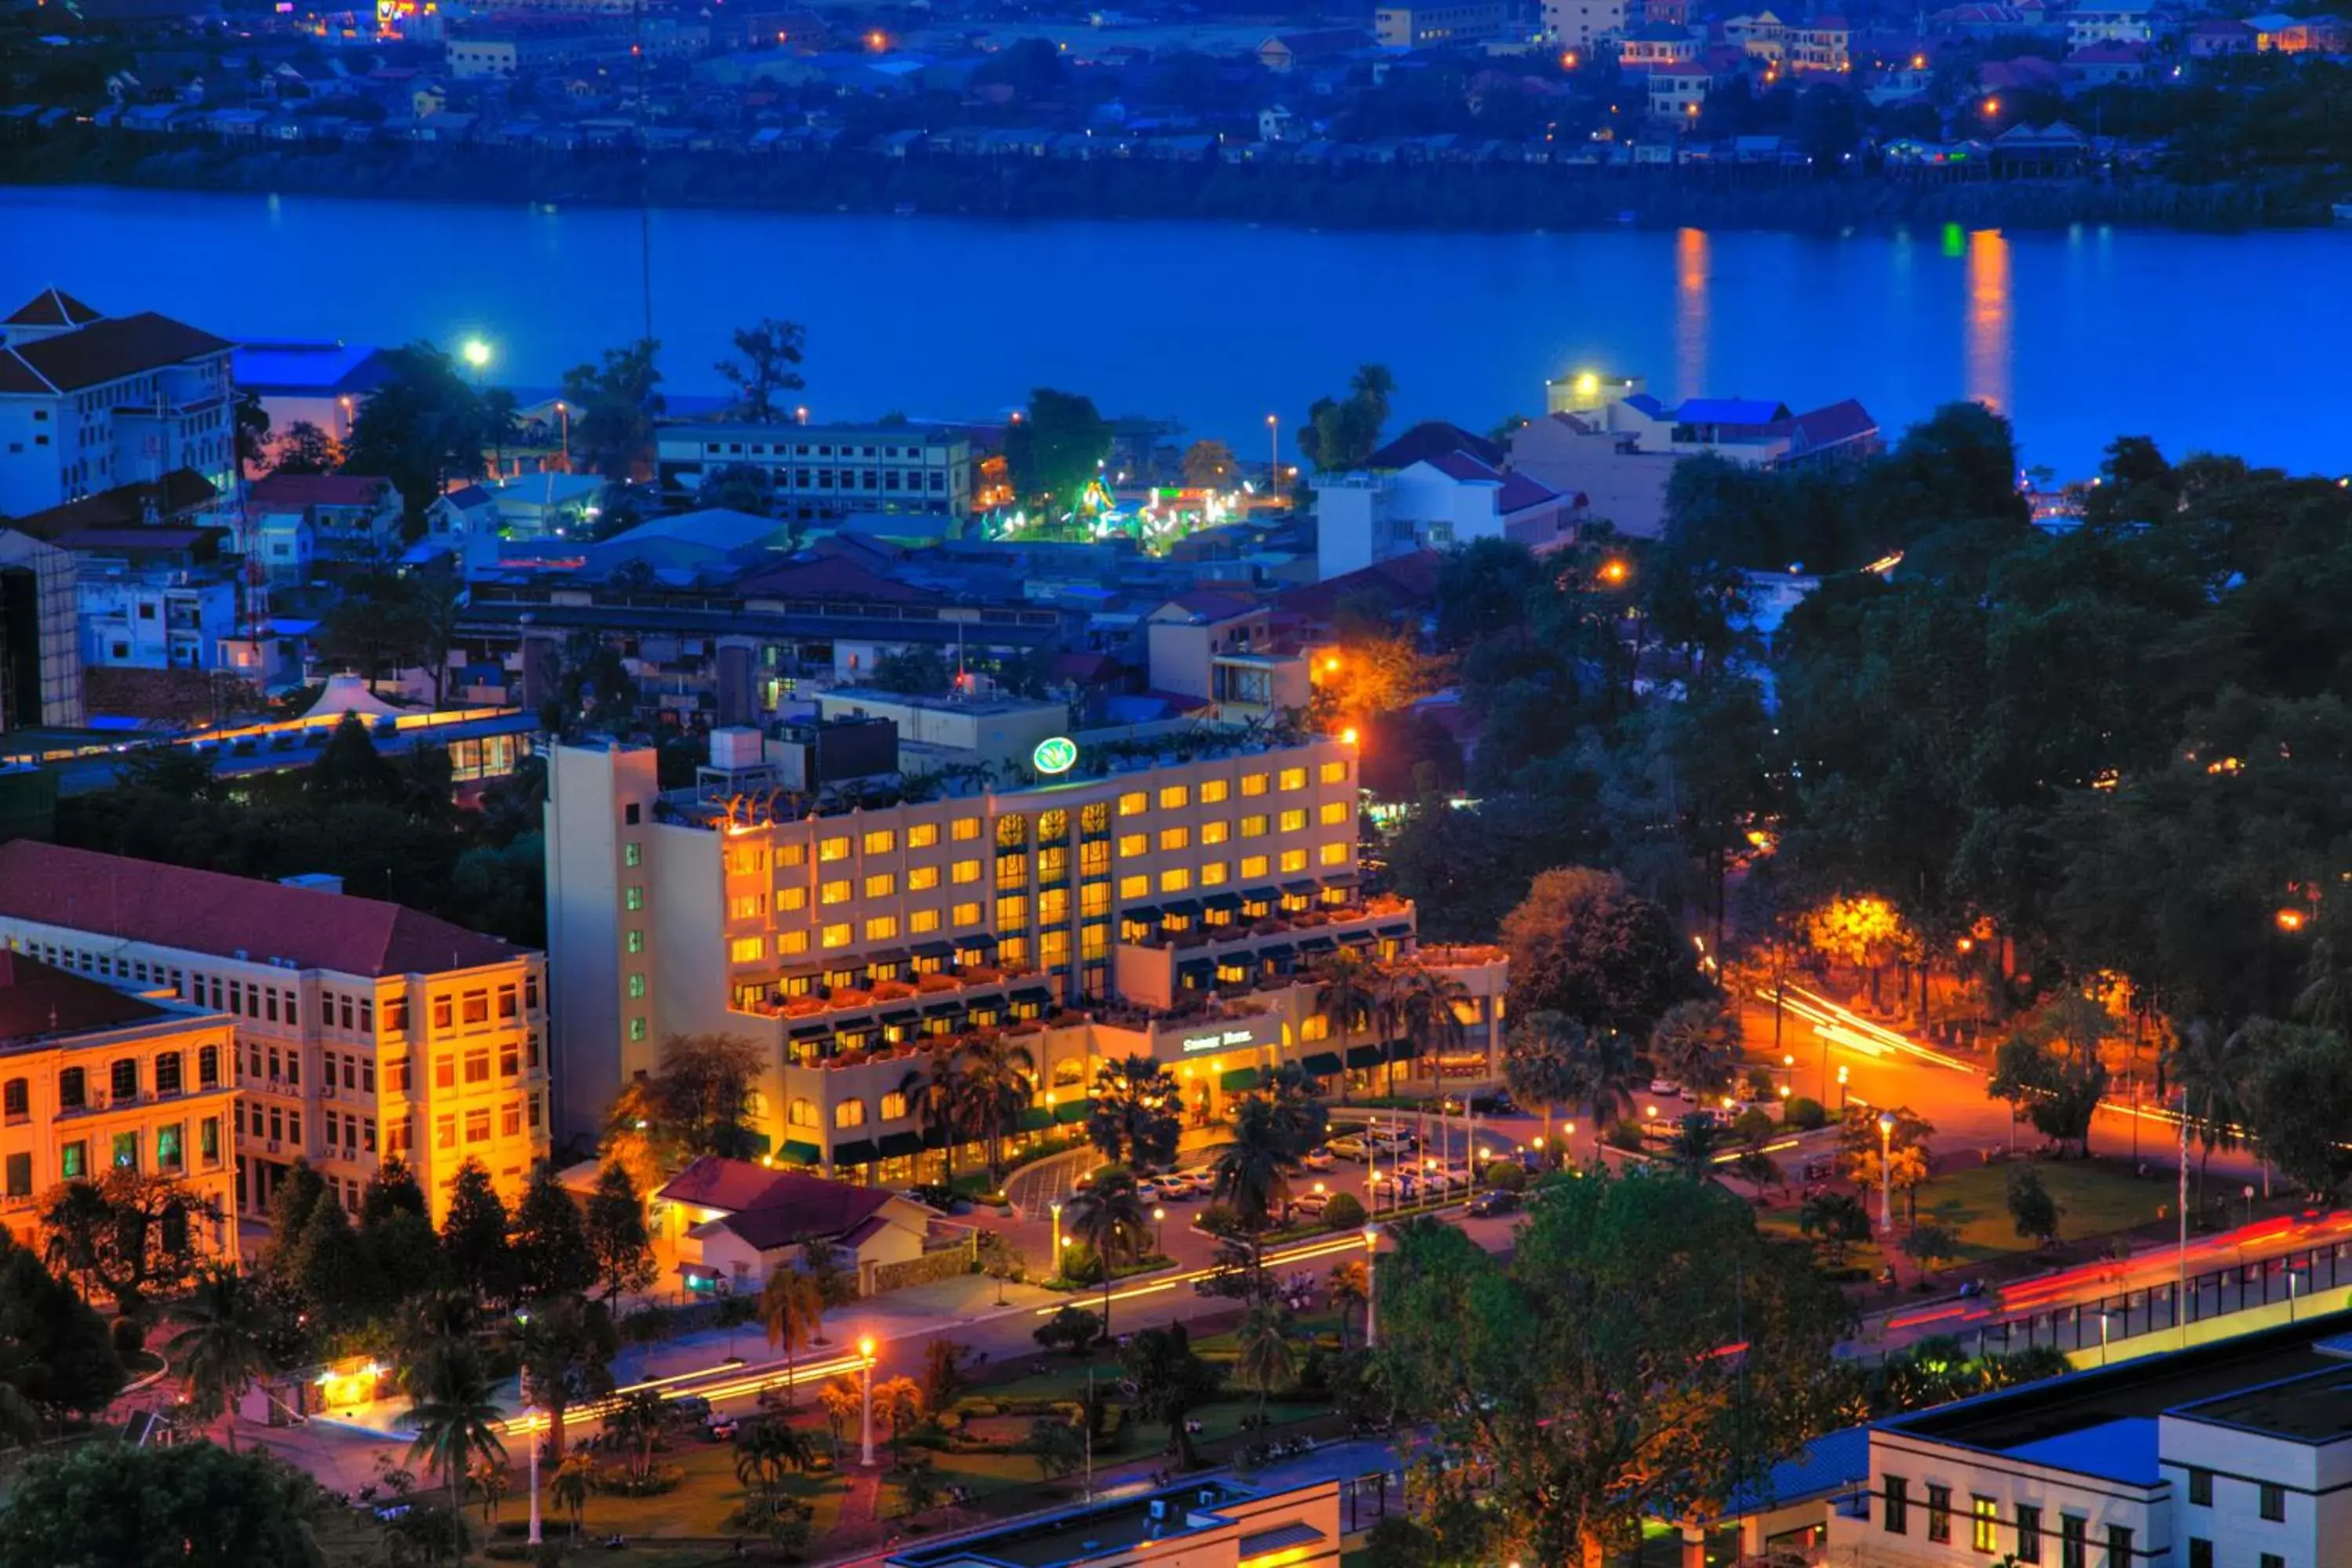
(1750, 411)
(309, 369)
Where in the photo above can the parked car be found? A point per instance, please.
(1317, 1159)
(688, 1406)
(1480, 1102)
(1666, 1089)
(1150, 1192)
(1349, 1146)
(1179, 1187)
(720, 1429)
(1311, 1204)
(1492, 1202)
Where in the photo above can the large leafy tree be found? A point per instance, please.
(1171, 1381)
(2300, 1101)
(1057, 448)
(618, 399)
(617, 1239)
(474, 1237)
(564, 1347)
(552, 1256)
(56, 1356)
(181, 1505)
(1584, 944)
(766, 363)
(128, 1233)
(427, 423)
(1643, 1353)
(698, 1103)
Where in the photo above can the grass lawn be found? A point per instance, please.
(2094, 1199)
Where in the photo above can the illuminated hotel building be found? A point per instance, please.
(362, 1028)
(1175, 907)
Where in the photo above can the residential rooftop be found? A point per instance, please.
(1082, 1533)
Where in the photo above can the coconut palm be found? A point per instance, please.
(1252, 1174)
(1607, 1075)
(898, 1401)
(1001, 1079)
(1108, 1217)
(568, 1488)
(1347, 1288)
(1692, 1149)
(2210, 1067)
(1427, 1005)
(490, 1479)
(431, 1329)
(765, 1450)
(456, 1420)
(1540, 1057)
(1350, 991)
(1692, 1045)
(563, 1347)
(791, 1306)
(1267, 1356)
(219, 1353)
(937, 1094)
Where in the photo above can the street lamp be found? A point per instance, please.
(865, 1401)
(1886, 1169)
(563, 412)
(1371, 1286)
(1841, 1091)
(1159, 1232)
(1057, 1206)
(530, 1436)
(477, 354)
(1273, 452)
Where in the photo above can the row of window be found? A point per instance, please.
(168, 1077)
(824, 449)
(1985, 1524)
(122, 1152)
(2271, 1499)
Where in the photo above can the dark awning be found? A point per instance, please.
(1402, 928)
(901, 1016)
(1037, 995)
(1359, 1057)
(1183, 909)
(857, 1153)
(1301, 889)
(1341, 878)
(1278, 950)
(887, 956)
(1221, 901)
(943, 1009)
(1404, 1048)
(1239, 1078)
(1319, 945)
(1260, 896)
(1197, 966)
(1148, 915)
(1034, 1118)
(795, 1151)
(900, 1145)
(1322, 1063)
(811, 1031)
(1073, 1110)
(935, 950)
(977, 939)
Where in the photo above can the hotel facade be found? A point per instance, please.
(1176, 907)
(362, 1029)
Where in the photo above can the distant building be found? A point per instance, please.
(2110, 22)
(1222, 647)
(40, 654)
(1454, 21)
(321, 384)
(344, 520)
(1210, 1522)
(1446, 499)
(152, 598)
(733, 1222)
(1578, 24)
(1677, 92)
(1285, 52)
(2280, 34)
(820, 471)
(88, 401)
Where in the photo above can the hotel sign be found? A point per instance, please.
(1057, 754)
(1218, 1040)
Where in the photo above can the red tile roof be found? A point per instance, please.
(1431, 438)
(177, 494)
(1409, 582)
(1833, 425)
(830, 578)
(774, 1208)
(1521, 492)
(288, 491)
(214, 913)
(110, 350)
(1461, 466)
(39, 1000)
(51, 307)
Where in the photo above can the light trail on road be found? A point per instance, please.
(734, 1382)
(1843, 1027)
(1304, 1253)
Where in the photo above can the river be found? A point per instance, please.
(2233, 343)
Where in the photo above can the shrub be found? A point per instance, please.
(1623, 1135)
(129, 1337)
(658, 1482)
(1344, 1212)
(1804, 1114)
(1219, 1219)
(1508, 1176)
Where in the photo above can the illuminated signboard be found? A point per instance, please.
(1219, 1040)
(1057, 754)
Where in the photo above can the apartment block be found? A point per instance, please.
(816, 471)
(1208, 1523)
(1164, 902)
(94, 1079)
(361, 1028)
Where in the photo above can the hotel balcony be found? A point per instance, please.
(897, 1002)
(1183, 950)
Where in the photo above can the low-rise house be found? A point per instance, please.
(733, 1222)
(1285, 52)
(2218, 36)
(2107, 65)
(2110, 22)
(345, 520)
(1677, 92)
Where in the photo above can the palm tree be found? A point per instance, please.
(490, 1479)
(2210, 1070)
(564, 1347)
(431, 1329)
(1836, 1220)
(937, 1095)
(1540, 1057)
(2326, 990)
(570, 1485)
(1001, 1077)
(1251, 1174)
(1347, 1288)
(791, 1305)
(898, 1401)
(765, 1450)
(1427, 1008)
(1266, 1353)
(1348, 993)
(1607, 1075)
(1375, 384)
(1692, 1150)
(1106, 1216)
(1692, 1045)
(456, 1420)
(219, 1353)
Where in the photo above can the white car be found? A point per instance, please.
(1666, 1089)
(1348, 1146)
(1317, 1159)
(1311, 1204)
(1150, 1192)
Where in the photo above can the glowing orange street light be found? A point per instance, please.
(1615, 571)
(1348, 736)
(2289, 919)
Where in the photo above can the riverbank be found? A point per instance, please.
(1465, 198)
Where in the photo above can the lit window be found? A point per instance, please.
(834, 848)
(836, 935)
(792, 942)
(1134, 803)
(1012, 913)
(881, 885)
(636, 1028)
(835, 892)
(1294, 778)
(1176, 880)
(478, 1125)
(1984, 1525)
(633, 854)
(964, 871)
(1095, 818)
(881, 928)
(742, 950)
(637, 982)
(921, 877)
(881, 841)
(922, 920)
(748, 906)
(1294, 860)
(1173, 797)
(633, 897)
(1252, 866)
(791, 855)
(849, 1113)
(1254, 826)
(1175, 838)
(1334, 773)
(922, 835)
(1333, 812)
(791, 899)
(1334, 854)
(1212, 875)
(1253, 783)
(1212, 791)
(636, 941)
(1135, 887)
(802, 1111)
(965, 828)
(965, 914)
(1292, 821)
(1215, 832)
(1012, 830)
(1133, 843)
(1053, 827)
